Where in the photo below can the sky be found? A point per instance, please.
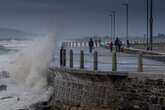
(79, 18)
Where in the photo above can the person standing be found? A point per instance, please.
(96, 43)
(90, 45)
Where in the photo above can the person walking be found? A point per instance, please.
(117, 44)
(111, 46)
(128, 44)
(120, 45)
(90, 45)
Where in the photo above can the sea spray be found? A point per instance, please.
(30, 64)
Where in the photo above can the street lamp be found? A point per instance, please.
(111, 26)
(151, 24)
(126, 6)
(147, 9)
(114, 24)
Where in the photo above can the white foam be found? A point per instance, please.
(28, 71)
(31, 63)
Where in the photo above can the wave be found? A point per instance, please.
(30, 64)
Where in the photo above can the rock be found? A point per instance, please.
(3, 87)
(8, 97)
(40, 106)
(18, 99)
(23, 109)
(58, 106)
(4, 74)
(136, 107)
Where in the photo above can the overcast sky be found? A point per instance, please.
(78, 18)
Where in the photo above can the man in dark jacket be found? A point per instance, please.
(128, 44)
(117, 44)
(90, 45)
(111, 46)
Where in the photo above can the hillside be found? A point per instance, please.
(8, 34)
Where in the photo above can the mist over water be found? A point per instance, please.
(31, 64)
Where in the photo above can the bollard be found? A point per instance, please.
(61, 56)
(73, 44)
(64, 57)
(80, 44)
(95, 61)
(81, 59)
(71, 58)
(114, 62)
(76, 44)
(69, 44)
(140, 62)
(65, 44)
(86, 44)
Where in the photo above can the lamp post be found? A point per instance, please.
(111, 26)
(126, 6)
(147, 9)
(151, 25)
(114, 24)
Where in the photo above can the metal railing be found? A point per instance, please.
(73, 44)
(81, 59)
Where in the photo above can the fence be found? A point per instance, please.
(156, 42)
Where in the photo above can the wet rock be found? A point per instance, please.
(4, 74)
(3, 87)
(8, 97)
(40, 106)
(18, 99)
(23, 109)
(58, 106)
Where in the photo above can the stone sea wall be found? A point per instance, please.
(87, 90)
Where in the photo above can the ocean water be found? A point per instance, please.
(26, 63)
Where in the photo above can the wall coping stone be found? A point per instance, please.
(81, 72)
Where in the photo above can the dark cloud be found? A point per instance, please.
(79, 17)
